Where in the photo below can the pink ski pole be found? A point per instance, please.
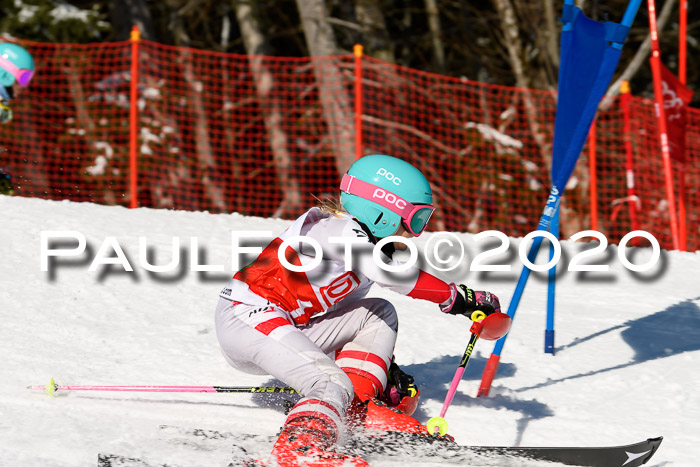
(52, 388)
(491, 327)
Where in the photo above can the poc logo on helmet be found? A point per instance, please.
(389, 197)
(389, 176)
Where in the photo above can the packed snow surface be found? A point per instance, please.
(626, 368)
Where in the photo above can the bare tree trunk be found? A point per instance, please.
(337, 107)
(640, 57)
(435, 33)
(513, 44)
(256, 45)
(39, 165)
(552, 32)
(373, 28)
(84, 120)
(180, 36)
(240, 196)
(205, 157)
(127, 13)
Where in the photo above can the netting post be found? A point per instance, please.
(357, 51)
(593, 176)
(661, 119)
(629, 166)
(133, 116)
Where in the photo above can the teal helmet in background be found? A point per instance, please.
(16, 64)
(382, 192)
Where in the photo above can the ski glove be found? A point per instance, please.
(472, 303)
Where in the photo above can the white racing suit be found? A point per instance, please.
(308, 329)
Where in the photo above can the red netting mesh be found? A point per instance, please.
(69, 138)
(263, 135)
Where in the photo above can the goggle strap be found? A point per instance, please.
(385, 198)
(22, 76)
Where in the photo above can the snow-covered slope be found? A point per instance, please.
(627, 365)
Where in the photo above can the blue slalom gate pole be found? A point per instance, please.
(628, 18)
(550, 209)
(590, 52)
(551, 288)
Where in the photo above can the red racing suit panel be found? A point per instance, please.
(429, 287)
(290, 290)
(304, 294)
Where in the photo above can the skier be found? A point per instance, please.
(318, 333)
(16, 71)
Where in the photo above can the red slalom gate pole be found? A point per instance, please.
(661, 118)
(682, 60)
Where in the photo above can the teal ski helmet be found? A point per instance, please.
(16, 64)
(383, 192)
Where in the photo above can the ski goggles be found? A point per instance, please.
(415, 216)
(22, 76)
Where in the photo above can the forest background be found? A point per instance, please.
(505, 42)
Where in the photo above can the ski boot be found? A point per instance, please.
(391, 411)
(401, 392)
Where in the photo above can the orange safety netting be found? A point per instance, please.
(264, 136)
